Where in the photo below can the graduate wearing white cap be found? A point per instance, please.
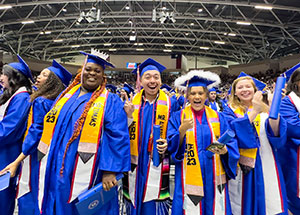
(259, 185)
(289, 155)
(200, 175)
(84, 142)
(15, 104)
(146, 189)
(50, 83)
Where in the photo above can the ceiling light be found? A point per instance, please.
(169, 45)
(64, 10)
(112, 50)
(109, 32)
(219, 42)
(160, 32)
(130, 22)
(4, 7)
(107, 44)
(138, 44)
(75, 46)
(127, 7)
(45, 32)
(132, 38)
(167, 50)
(243, 23)
(58, 40)
(164, 8)
(204, 47)
(192, 24)
(263, 7)
(102, 22)
(232, 34)
(225, 34)
(133, 32)
(87, 33)
(186, 34)
(140, 50)
(27, 22)
(200, 10)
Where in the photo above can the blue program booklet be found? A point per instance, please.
(4, 181)
(93, 199)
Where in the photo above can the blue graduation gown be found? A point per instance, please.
(288, 153)
(229, 162)
(253, 182)
(12, 129)
(113, 153)
(151, 207)
(28, 203)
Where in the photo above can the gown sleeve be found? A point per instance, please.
(40, 108)
(173, 137)
(115, 145)
(13, 124)
(277, 141)
(230, 159)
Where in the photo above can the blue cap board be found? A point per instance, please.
(61, 72)
(213, 90)
(22, 67)
(260, 85)
(167, 87)
(128, 88)
(113, 88)
(199, 78)
(289, 72)
(147, 65)
(97, 60)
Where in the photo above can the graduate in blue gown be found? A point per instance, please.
(126, 92)
(193, 162)
(15, 104)
(213, 100)
(290, 154)
(50, 83)
(259, 186)
(146, 195)
(73, 166)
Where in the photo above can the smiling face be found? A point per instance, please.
(245, 90)
(197, 97)
(41, 79)
(151, 82)
(92, 77)
(4, 81)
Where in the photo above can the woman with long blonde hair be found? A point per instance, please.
(258, 188)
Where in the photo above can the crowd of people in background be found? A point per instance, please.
(60, 137)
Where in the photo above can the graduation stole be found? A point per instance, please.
(25, 173)
(296, 102)
(248, 156)
(193, 174)
(155, 187)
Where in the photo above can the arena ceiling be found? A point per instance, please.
(236, 30)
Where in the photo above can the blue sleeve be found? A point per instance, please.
(173, 137)
(230, 159)
(174, 104)
(40, 107)
(13, 124)
(181, 100)
(289, 112)
(115, 146)
(275, 141)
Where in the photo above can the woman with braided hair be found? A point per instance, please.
(85, 141)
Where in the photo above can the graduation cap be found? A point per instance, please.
(60, 72)
(289, 72)
(22, 67)
(111, 87)
(260, 85)
(97, 60)
(147, 65)
(167, 87)
(199, 78)
(128, 88)
(213, 89)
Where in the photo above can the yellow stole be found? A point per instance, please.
(248, 156)
(161, 118)
(193, 174)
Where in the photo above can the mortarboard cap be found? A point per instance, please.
(147, 65)
(260, 85)
(213, 89)
(61, 72)
(199, 78)
(22, 67)
(167, 87)
(111, 87)
(289, 72)
(97, 60)
(128, 88)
